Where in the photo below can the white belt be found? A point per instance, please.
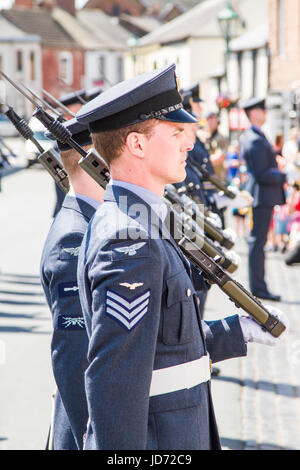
(180, 377)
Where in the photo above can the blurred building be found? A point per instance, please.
(20, 58)
(103, 41)
(162, 10)
(195, 43)
(78, 49)
(62, 56)
(284, 41)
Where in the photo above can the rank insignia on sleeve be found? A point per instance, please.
(130, 250)
(66, 322)
(68, 289)
(69, 252)
(72, 251)
(131, 286)
(128, 312)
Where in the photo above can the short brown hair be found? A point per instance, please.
(111, 143)
(70, 159)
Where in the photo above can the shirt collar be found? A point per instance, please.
(156, 203)
(258, 130)
(89, 200)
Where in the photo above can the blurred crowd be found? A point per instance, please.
(284, 232)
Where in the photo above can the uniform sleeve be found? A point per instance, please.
(224, 338)
(126, 282)
(261, 166)
(69, 343)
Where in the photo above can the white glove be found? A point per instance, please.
(253, 332)
(234, 257)
(233, 189)
(231, 234)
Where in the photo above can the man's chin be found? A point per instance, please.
(178, 178)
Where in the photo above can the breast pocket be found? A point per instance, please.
(179, 311)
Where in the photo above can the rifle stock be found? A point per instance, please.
(211, 230)
(214, 273)
(212, 178)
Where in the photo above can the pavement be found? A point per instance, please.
(256, 398)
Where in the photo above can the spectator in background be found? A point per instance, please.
(240, 214)
(217, 144)
(278, 143)
(291, 154)
(232, 161)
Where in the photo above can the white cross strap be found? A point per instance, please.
(180, 377)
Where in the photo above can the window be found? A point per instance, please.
(239, 60)
(120, 72)
(116, 9)
(32, 65)
(102, 66)
(19, 60)
(280, 27)
(254, 59)
(66, 67)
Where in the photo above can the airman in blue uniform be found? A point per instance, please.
(148, 379)
(59, 280)
(265, 184)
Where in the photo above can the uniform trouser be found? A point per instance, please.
(258, 236)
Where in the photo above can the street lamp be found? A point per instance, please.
(227, 17)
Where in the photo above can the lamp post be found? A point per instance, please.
(227, 17)
(132, 43)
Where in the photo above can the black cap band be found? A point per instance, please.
(152, 108)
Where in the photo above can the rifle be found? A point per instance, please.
(58, 130)
(208, 264)
(209, 267)
(221, 236)
(49, 159)
(94, 164)
(212, 178)
(214, 274)
(189, 191)
(11, 152)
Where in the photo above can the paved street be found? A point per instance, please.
(257, 399)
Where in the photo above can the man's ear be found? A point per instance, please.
(136, 144)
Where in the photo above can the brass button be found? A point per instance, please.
(188, 292)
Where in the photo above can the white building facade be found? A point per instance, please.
(20, 59)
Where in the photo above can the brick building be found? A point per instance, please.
(62, 55)
(117, 7)
(284, 43)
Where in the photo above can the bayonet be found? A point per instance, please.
(58, 103)
(49, 159)
(45, 103)
(82, 101)
(56, 128)
(19, 89)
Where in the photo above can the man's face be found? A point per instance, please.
(196, 107)
(212, 123)
(166, 152)
(258, 116)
